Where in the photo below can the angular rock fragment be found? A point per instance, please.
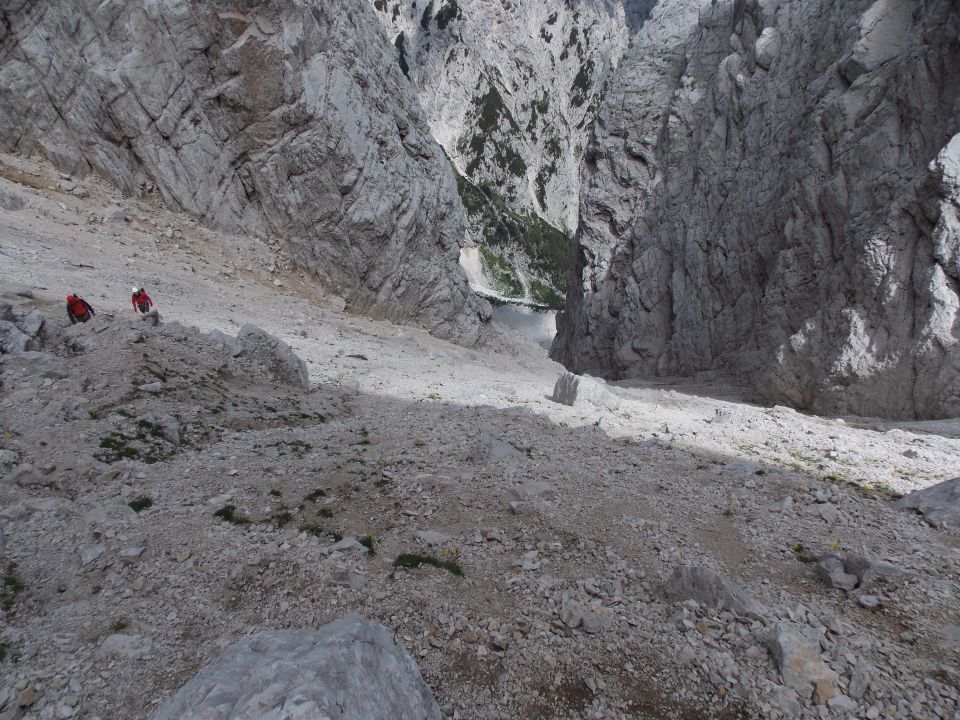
(831, 569)
(350, 669)
(574, 390)
(711, 589)
(800, 664)
(939, 504)
(274, 355)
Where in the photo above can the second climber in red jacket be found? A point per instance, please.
(143, 305)
(141, 301)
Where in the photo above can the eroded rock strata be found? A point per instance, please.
(771, 191)
(285, 119)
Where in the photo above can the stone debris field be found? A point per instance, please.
(262, 461)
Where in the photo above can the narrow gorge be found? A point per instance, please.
(480, 359)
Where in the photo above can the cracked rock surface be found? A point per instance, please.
(771, 191)
(289, 120)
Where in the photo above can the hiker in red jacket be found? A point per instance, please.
(141, 301)
(143, 306)
(78, 309)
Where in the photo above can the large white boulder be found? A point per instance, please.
(575, 390)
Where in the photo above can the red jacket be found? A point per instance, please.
(141, 301)
(78, 307)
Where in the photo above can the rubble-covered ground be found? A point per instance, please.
(165, 493)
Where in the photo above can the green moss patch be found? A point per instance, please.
(409, 560)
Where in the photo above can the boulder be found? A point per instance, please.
(531, 490)
(27, 476)
(30, 323)
(853, 571)
(711, 589)
(798, 659)
(170, 429)
(576, 390)
(274, 355)
(939, 504)
(831, 569)
(35, 364)
(12, 338)
(11, 201)
(767, 47)
(350, 670)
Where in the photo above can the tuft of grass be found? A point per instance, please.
(413, 560)
(803, 554)
(94, 413)
(367, 542)
(878, 490)
(281, 518)
(325, 513)
(119, 625)
(12, 586)
(141, 503)
(275, 492)
(297, 447)
(228, 513)
(315, 495)
(319, 531)
(115, 444)
(4, 648)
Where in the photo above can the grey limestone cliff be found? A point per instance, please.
(288, 119)
(510, 90)
(771, 191)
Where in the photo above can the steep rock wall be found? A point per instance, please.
(510, 90)
(771, 191)
(284, 118)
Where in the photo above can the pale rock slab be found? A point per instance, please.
(711, 589)
(576, 390)
(939, 504)
(800, 664)
(349, 669)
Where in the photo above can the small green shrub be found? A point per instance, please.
(281, 518)
(315, 495)
(141, 503)
(228, 513)
(318, 531)
(367, 542)
(12, 586)
(412, 560)
(804, 555)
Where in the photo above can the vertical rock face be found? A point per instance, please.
(771, 189)
(510, 90)
(283, 118)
